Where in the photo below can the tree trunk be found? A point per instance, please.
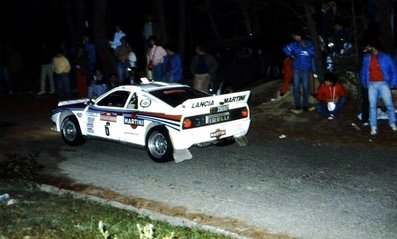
(309, 11)
(385, 8)
(182, 27)
(246, 16)
(105, 56)
(213, 24)
(75, 14)
(159, 19)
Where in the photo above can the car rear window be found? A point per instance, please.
(176, 96)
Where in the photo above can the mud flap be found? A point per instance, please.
(241, 141)
(181, 155)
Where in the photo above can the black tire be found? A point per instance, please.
(158, 145)
(71, 132)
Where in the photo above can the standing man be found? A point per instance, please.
(91, 53)
(122, 54)
(61, 66)
(203, 67)
(301, 50)
(155, 59)
(379, 74)
(172, 66)
(46, 71)
(147, 32)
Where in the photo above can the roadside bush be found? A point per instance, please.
(19, 167)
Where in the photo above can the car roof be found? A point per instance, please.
(153, 85)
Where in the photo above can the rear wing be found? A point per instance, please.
(231, 100)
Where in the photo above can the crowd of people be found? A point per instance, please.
(378, 74)
(74, 70)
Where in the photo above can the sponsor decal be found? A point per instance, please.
(133, 121)
(92, 114)
(234, 99)
(108, 116)
(79, 114)
(217, 134)
(145, 103)
(203, 104)
(90, 130)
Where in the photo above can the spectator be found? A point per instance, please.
(14, 68)
(287, 75)
(342, 39)
(155, 58)
(147, 32)
(379, 74)
(81, 64)
(203, 67)
(122, 53)
(97, 85)
(172, 67)
(46, 55)
(91, 53)
(131, 78)
(331, 96)
(132, 60)
(364, 106)
(113, 81)
(117, 38)
(61, 67)
(302, 52)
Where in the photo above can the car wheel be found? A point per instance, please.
(71, 132)
(158, 145)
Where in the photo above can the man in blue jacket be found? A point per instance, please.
(172, 65)
(379, 74)
(302, 51)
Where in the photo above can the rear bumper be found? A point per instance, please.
(186, 138)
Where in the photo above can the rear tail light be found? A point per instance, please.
(244, 112)
(187, 123)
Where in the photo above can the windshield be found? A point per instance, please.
(176, 96)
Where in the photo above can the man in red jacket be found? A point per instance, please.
(331, 96)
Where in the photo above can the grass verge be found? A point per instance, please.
(31, 213)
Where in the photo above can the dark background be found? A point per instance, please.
(26, 23)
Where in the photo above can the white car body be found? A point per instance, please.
(128, 113)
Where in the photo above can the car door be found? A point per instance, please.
(106, 117)
(134, 125)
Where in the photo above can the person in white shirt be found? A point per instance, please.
(155, 58)
(117, 37)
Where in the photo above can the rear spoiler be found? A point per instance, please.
(216, 100)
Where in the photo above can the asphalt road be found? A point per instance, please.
(303, 190)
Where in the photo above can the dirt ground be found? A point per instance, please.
(272, 119)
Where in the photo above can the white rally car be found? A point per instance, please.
(165, 118)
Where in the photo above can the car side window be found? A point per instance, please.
(115, 99)
(133, 102)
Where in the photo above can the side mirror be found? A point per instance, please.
(91, 101)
